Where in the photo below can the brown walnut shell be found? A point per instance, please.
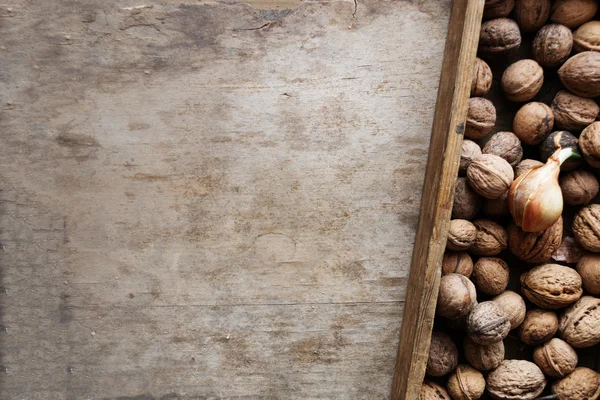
(535, 247)
(552, 45)
(466, 202)
(487, 323)
(483, 357)
(469, 151)
(497, 8)
(514, 307)
(555, 358)
(580, 323)
(491, 275)
(506, 145)
(573, 13)
(433, 391)
(581, 74)
(561, 139)
(499, 37)
(588, 268)
(531, 15)
(525, 166)
(589, 142)
(516, 380)
(490, 175)
(457, 262)
(538, 327)
(457, 296)
(551, 286)
(496, 208)
(533, 122)
(582, 384)
(466, 383)
(522, 80)
(491, 238)
(482, 78)
(586, 227)
(443, 355)
(573, 113)
(461, 235)
(481, 118)
(587, 37)
(578, 187)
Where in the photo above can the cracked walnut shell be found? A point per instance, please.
(552, 45)
(490, 175)
(487, 323)
(551, 286)
(586, 227)
(522, 80)
(555, 358)
(466, 383)
(579, 325)
(516, 380)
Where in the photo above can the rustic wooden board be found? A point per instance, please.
(207, 200)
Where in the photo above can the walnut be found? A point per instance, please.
(581, 74)
(514, 307)
(491, 238)
(482, 78)
(490, 275)
(487, 323)
(469, 151)
(466, 383)
(533, 122)
(481, 117)
(457, 263)
(534, 247)
(499, 37)
(582, 384)
(433, 391)
(496, 208)
(506, 145)
(551, 286)
(586, 227)
(531, 15)
(483, 357)
(569, 251)
(580, 323)
(588, 268)
(457, 296)
(516, 380)
(466, 202)
(587, 37)
(490, 175)
(573, 113)
(555, 358)
(526, 165)
(461, 235)
(573, 13)
(589, 142)
(443, 355)
(578, 187)
(561, 139)
(538, 327)
(522, 80)
(552, 45)
(497, 8)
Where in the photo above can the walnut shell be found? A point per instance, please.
(522, 80)
(490, 275)
(483, 357)
(496, 208)
(514, 307)
(525, 166)
(457, 263)
(580, 323)
(578, 187)
(561, 139)
(551, 286)
(531, 15)
(490, 175)
(555, 358)
(433, 391)
(535, 247)
(506, 145)
(588, 268)
(582, 384)
(482, 78)
(581, 74)
(461, 235)
(457, 296)
(481, 117)
(497, 8)
(586, 227)
(487, 323)
(498, 37)
(443, 355)
(516, 380)
(469, 151)
(466, 383)
(587, 37)
(572, 112)
(589, 142)
(552, 45)
(491, 238)
(533, 122)
(538, 327)
(466, 202)
(573, 13)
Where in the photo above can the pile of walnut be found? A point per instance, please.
(554, 310)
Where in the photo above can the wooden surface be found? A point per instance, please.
(437, 197)
(207, 200)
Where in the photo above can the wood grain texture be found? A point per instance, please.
(210, 201)
(437, 197)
